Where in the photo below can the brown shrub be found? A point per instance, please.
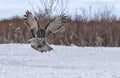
(102, 32)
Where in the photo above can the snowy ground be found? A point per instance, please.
(21, 61)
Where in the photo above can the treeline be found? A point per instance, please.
(81, 31)
(87, 28)
(13, 31)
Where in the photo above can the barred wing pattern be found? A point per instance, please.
(31, 22)
(55, 25)
(39, 40)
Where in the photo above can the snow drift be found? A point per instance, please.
(21, 61)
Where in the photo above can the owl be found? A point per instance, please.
(40, 36)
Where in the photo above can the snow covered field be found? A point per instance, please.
(21, 61)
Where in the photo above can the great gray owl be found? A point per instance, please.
(39, 36)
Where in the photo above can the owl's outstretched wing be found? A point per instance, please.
(31, 22)
(56, 24)
(38, 42)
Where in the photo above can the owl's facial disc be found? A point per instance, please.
(41, 33)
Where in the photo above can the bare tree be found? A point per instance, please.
(49, 8)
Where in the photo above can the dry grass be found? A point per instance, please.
(100, 31)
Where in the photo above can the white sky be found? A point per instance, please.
(9, 8)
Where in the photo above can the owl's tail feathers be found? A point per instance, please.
(44, 48)
(40, 45)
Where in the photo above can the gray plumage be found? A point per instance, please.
(39, 40)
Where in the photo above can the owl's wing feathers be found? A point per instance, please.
(31, 22)
(56, 24)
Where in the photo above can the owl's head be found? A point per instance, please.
(41, 33)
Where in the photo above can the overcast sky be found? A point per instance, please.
(9, 8)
